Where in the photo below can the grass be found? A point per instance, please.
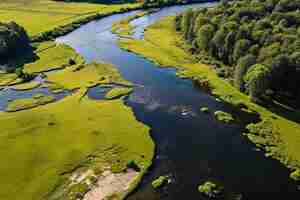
(38, 16)
(85, 76)
(163, 45)
(118, 92)
(7, 78)
(27, 86)
(50, 56)
(43, 145)
(22, 104)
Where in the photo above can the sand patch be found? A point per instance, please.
(109, 184)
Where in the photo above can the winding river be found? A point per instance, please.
(191, 147)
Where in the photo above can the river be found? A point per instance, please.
(191, 146)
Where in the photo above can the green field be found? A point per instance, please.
(44, 143)
(38, 16)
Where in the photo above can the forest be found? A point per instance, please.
(254, 44)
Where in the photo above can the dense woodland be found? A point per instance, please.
(257, 42)
(13, 39)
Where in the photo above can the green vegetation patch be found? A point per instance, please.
(295, 175)
(118, 92)
(27, 86)
(86, 75)
(204, 109)
(160, 182)
(22, 104)
(51, 56)
(210, 189)
(7, 78)
(223, 116)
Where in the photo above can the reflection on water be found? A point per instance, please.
(191, 146)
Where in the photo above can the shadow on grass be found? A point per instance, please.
(19, 59)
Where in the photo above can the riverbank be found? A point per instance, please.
(163, 45)
(53, 151)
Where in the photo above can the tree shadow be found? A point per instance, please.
(287, 109)
(19, 59)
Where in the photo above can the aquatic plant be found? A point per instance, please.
(210, 189)
(223, 116)
(159, 182)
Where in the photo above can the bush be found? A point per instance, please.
(132, 165)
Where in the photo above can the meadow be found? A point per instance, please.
(38, 16)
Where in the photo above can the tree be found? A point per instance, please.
(257, 81)
(186, 23)
(240, 49)
(13, 39)
(242, 67)
(204, 36)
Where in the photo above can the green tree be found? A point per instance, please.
(257, 81)
(241, 48)
(242, 67)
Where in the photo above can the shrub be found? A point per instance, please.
(132, 165)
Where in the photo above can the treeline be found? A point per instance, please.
(257, 42)
(13, 39)
(161, 3)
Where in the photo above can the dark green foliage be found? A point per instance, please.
(242, 67)
(13, 39)
(132, 165)
(243, 33)
(257, 81)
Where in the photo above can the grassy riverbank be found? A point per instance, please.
(163, 45)
(60, 150)
(38, 16)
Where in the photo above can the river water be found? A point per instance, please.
(191, 146)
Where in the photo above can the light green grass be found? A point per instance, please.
(85, 76)
(163, 44)
(42, 145)
(117, 93)
(22, 104)
(51, 56)
(6, 79)
(38, 16)
(27, 86)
